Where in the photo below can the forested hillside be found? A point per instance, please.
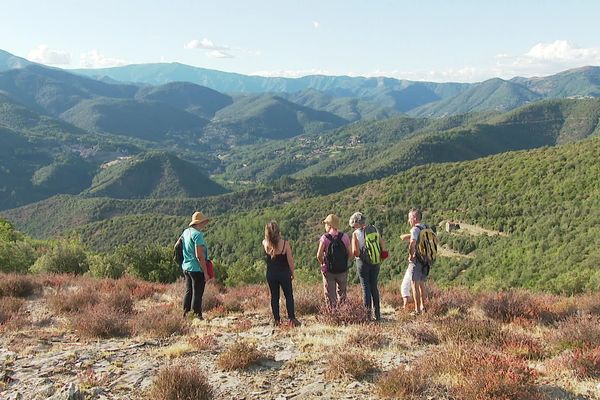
(544, 202)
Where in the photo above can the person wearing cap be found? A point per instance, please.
(195, 270)
(368, 271)
(335, 283)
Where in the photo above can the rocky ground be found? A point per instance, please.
(45, 359)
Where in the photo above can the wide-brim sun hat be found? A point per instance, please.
(333, 221)
(357, 218)
(198, 218)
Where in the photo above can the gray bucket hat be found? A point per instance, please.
(357, 218)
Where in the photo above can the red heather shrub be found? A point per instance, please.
(241, 325)
(576, 332)
(99, 321)
(442, 301)
(343, 364)
(211, 297)
(16, 285)
(351, 311)
(512, 305)
(9, 307)
(390, 295)
(119, 300)
(57, 280)
(585, 363)
(400, 383)
(239, 355)
(246, 298)
(481, 373)
(523, 346)
(141, 289)
(66, 300)
(308, 299)
(368, 336)
(589, 303)
(160, 321)
(182, 381)
(467, 330)
(205, 342)
(420, 332)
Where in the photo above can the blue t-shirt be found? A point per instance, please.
(192, 238)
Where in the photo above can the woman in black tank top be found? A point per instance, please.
(280, 271)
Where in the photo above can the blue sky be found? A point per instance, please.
(444, 40)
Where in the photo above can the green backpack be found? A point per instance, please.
(371, 253)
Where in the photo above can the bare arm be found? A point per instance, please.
(320, 253)
(201, 260)
(355, 245)
(412, 250)
(405, 237)
(290, 257)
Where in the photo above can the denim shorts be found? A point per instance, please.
(416, 271)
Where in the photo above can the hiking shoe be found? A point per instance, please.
(276, 322)
(294, 322)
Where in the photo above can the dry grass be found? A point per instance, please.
(240, 355)
(205, 342)
(523, 346)
(441, 302)
(420, 333)
(177, 350)
(343, 364)
(16, 285)
(160, 321)
(182, 381)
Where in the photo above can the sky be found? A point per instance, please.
(429, 40)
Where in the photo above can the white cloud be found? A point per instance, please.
(93, 59)
(213, 50)
(547, 59)
(316, 24)
(218, 54)
(45, 55)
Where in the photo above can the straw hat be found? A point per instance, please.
(197, 218)
(333, 221)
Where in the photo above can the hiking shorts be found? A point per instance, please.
(416, 270)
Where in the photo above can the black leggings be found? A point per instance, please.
(281, 280)
(194, 289)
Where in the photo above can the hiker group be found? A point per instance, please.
(335, 253)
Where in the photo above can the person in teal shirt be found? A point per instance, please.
(195, 271)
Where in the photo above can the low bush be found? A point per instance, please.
(513, 305)
(211, 297)
(182, 381)
(66, 300)
(160, 321)
(9, 307)
(119, 300)
(16, 256)
(442, 301)
(246, 298)
(205, 342)
(585, 363)
(17, 285)
(400, 383)
(466, 330)
(240, 355)
(578, 332)
(308, 299)
(344, 364)
(351, 311)
(523, 346)
(99, 321)
(390, 295)
(63, 257)
(420, 333)
(481, 373)
(370, 337)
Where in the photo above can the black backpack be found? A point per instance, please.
(336, 255)
(178, 252)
